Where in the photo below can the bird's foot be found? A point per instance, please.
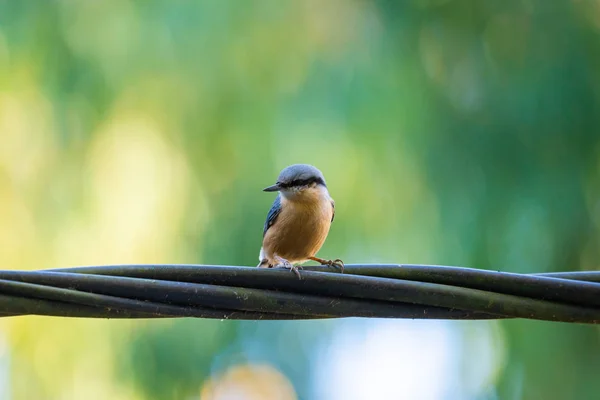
(282, 262)
(332, 263)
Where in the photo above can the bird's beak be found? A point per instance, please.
(272, 188)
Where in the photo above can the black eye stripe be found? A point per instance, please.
(302, 182)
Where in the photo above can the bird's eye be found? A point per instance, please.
(300, 182)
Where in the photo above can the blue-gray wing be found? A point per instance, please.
(333, 207)
(272, 215)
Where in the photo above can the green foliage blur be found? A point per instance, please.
(450, 132)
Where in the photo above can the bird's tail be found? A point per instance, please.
(264, 262)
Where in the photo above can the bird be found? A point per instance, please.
(299, 220)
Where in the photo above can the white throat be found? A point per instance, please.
(312, 194)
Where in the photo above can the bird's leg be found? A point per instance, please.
(282, 262)
(332, 263)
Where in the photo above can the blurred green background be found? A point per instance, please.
(450, 132)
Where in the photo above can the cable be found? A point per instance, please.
(229, 292)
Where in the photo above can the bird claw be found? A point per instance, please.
(336, 263)
(296, 270)
(331, 263)
(283, 263)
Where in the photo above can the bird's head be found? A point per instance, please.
(299, 181)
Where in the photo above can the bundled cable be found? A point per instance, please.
(228, 292)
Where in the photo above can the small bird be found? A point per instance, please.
(299, 219)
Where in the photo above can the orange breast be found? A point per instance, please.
(300, 230)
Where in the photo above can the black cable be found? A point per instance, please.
(384, 291)
(210, 297)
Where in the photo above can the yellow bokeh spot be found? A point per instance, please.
(249, 382)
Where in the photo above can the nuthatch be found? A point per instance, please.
(299, 219)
